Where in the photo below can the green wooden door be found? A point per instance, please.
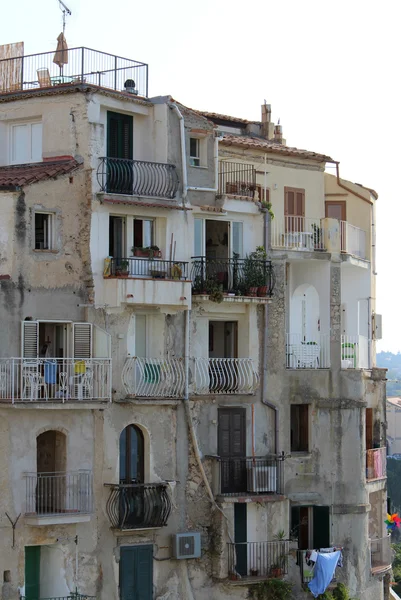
(136, 573)
(321, 526)
(32, 572)
(240, 537)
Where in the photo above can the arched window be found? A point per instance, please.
(132, 455)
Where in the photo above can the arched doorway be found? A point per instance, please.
(51, 465)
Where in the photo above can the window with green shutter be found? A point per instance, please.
(32, 572)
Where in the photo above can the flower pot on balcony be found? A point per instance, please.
(151, 252)
(276, 572)
(262, 291)
(253, 292)
(254, 572)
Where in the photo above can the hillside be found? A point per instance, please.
(392, 362)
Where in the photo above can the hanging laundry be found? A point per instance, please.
(324, 571)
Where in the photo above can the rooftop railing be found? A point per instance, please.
(83, 65)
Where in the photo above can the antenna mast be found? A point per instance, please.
(66, 11)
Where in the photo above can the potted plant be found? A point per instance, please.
(267, 207)
(282, 559)
(254, 272)
(122, 268)
(146, 252)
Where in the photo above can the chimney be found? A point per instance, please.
(278, 134)
(266, 116)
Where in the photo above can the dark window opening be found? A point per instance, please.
(194, 152)
(43, 231)
(299, 428)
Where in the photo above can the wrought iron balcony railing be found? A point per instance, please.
(84, 65)
(55, 379)
(138, 506)
(248, 476)
(380, 555)
(240, 276)
(149, 268)
(224, 376)
(237, 179)
(59, 493)
(154, 377)
(137, 178)
(258, 559)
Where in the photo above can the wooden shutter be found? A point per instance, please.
(30, 339)
(32, 572)
(136, 573)
(369, 429)
(294, 202)
(231, 432)
(321, 527)
(304, 428)
(82, 340)
(119, 135)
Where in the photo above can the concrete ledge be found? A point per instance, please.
(65, 519)
(247, 498)
(149, 401)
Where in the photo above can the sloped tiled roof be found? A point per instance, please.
(212, 115)
(20, 175)
(270, 146)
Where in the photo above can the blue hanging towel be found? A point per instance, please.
(324, 572)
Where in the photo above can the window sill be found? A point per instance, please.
(300, 454)
(198, 167)
(45, 251)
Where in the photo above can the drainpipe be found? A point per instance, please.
(341, 185)
(370, 333)
(265, 341)
(175, 108)
(216, 171)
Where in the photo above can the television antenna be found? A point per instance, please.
(66, 11)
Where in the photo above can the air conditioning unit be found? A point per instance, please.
(261, 479)
(187, 545)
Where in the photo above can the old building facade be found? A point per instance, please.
(188, 392)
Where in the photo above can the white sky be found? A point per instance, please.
(330, 70)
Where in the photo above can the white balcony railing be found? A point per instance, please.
(297, 233)
(353, 240)
(225, 376)
(311, 352)
(354, 352)
(59, 493)
(55, 379)
(380, 554)
(154, 377)
(376, 463)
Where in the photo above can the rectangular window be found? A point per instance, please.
(299, 428)
(143, 233)
(194, 152)
(311, 526)
(44, 234)
(25, 143)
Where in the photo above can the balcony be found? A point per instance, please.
(376, 464)
(149, 281)
(236, 179)
(248, 475)
(154, 377)
(307, 353)
(224, 376)
(137, 178)
(253, 561)
(380, 555)
(354, 352)
(297, 233)
(138, 506)
(235, 276)
(83, 66)
(59, 380)
(311, 234)
(353, 240)
(58, 498)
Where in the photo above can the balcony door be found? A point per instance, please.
(311, 525)
(117, 245)
(294, 211)
(231, 447)
(119, 146)
(136, 572)
(223, 346)
(337, 209)
(132, 466)
(51, 464)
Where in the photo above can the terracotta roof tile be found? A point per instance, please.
(212, 115)
(269, 146)
(19, 175)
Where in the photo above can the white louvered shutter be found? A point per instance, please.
(82, 340)
(237, 238)
(30, 339)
